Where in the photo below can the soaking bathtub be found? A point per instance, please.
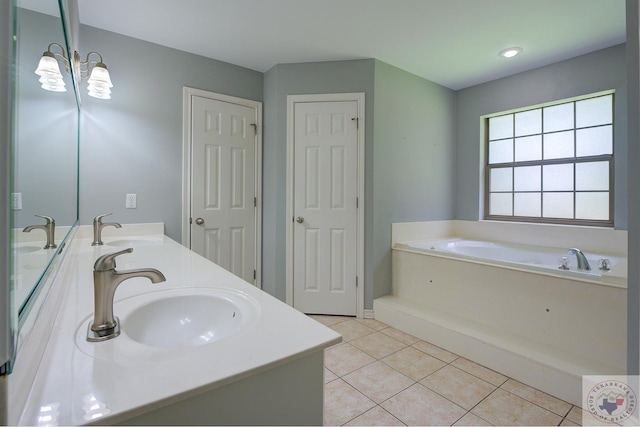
(540, 259)
(509, 307)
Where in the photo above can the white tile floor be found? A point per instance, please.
(381, 376)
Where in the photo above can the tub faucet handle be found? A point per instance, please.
(563, 263)
(604, 264)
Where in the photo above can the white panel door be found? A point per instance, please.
(325, 207)
(223, 163)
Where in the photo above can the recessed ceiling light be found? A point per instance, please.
(510, 52)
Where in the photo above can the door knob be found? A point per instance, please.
(199, 221)
(300, 220)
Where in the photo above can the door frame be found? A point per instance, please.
(358, 97)
(187, 95)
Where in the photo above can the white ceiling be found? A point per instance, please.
(451, 42)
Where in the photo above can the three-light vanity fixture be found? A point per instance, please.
(98, 84)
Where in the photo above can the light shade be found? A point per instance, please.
(53, 85)
(49, 72)
(99, 83)
(99, 93)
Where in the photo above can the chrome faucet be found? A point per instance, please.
(98, 225)
(49, 228)
(583, 264)
(105, 282)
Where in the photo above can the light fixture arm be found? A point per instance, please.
(85, 66)
(60, 56)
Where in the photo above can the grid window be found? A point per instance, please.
(552, 163)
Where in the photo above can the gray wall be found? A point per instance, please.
(597, 71)
(132, 143)
(413, 161)
(422, 140)
(293, 79)
(47, 128)
(409, 157)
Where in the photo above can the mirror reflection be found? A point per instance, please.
(45, 157)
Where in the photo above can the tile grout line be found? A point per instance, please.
(536, 404)
(412, 379)
(368, 364)
(350, 385)
(567, 414)
(450, 363)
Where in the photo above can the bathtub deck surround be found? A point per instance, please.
(275, 361)
(544, 327)
(596, 239)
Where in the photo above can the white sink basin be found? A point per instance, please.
(186, 317)
(26, 249)
(132, 242)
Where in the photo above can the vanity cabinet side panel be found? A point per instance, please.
(288, 394)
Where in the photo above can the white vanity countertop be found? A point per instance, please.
(79, 382)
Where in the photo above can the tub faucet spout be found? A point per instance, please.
(583, 264)
(105, 282)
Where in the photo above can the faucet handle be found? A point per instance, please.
(108, 262)
(99, 217)
(48, 218)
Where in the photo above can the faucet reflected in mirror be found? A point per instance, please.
(98, 225)
(106, 280)
(49, 228)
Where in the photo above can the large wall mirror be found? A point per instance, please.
(45, 152)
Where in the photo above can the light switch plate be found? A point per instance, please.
(16, 201)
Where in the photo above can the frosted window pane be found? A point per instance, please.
(501, 179)
(528, 122)
(558, 145)
(592, 205)
(558, 117)
(526, 178)
(594, 141)
(526, 204)
(592, 176)
(529, 148)
(501, 127)
(557, 177)
(500, 204)
(557, 205)
(501, 151)
(594, 111)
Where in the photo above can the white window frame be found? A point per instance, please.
(486, 189)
